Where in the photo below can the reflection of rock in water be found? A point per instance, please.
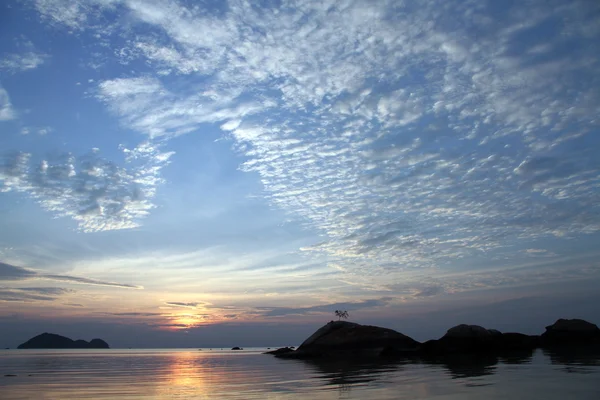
(347, 372)
(575, 359)
(516, 356)
(465, 366)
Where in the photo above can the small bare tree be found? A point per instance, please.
(341, 314)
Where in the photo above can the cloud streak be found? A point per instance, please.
(325, 308)
(10, 272)
(32, 294)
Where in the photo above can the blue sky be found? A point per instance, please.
(186, 168)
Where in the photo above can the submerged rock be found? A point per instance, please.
(348, 339)
(54, 341)
(282, 350)
(571, 332)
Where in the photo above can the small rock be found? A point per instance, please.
(283, 350)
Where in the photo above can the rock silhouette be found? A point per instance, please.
(341, 339)
(476, 339)
(569, 332)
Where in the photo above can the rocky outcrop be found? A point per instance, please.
(570, 332)
(460, 339)
(236, 348)
(476, 339)
(347, 339)
(464, 331)
(343, 339)
(516, 341)
(53, 341)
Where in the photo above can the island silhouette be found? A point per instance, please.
(53, 341)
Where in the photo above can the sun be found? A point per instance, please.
(186, 321)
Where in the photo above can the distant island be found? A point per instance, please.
(341, 339)
(53, 341)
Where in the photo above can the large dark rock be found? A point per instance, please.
(515, 341)
(476, 339)
(347, 339)
(571, 332)
(461, 339)
(53, 341)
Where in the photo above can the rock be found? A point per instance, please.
(282, 350)
(515, 341)
(476, 339)
(236, 348)
(460, 339)
(570, 332)
(467, 331)
(53, 341)
(347, 339)
(10, 375)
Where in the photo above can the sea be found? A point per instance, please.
(249, 374)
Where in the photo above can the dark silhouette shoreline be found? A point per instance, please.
(348, 340)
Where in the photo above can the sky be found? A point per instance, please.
(218, 173)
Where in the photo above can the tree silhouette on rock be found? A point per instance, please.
(341, 314)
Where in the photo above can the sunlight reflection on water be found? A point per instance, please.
(193, 374)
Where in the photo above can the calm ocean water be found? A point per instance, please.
(206, 374)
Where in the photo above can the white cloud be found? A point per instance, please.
(6, 109)
(392, 130)
(148, 107)
(70, 13)
(93, 191)
(22, 62)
